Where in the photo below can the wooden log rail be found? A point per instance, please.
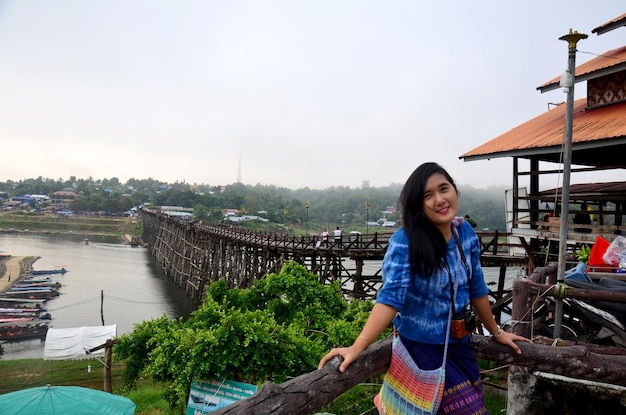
(312, 391)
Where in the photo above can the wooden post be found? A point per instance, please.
(108, 362)
(108, 353)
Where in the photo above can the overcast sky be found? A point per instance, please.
(289, 93)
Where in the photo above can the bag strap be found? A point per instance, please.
(453, 288)
(459, 247)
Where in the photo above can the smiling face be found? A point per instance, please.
(441, 203)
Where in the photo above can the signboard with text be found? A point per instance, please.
(208, 396)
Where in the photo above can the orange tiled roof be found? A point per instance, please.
(543, 136)
(609, 62)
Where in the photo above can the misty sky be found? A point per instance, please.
(290, 93)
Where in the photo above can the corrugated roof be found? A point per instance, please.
(598, 192)
(542, 137)
(607, 63)
(610, 25)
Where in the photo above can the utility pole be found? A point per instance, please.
(307, 217)
(102, 306)
(567, 82)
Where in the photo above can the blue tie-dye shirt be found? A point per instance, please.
(423, 302)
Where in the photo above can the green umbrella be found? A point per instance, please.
(65, 400)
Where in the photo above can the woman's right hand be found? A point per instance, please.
(378, 320)
(349, 354)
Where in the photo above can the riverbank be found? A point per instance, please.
(13, 268)
(24, 223)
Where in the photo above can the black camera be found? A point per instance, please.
(463, 323)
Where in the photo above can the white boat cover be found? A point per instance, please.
(72, 343)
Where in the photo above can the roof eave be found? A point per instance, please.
(612, 25)
(543, 151)
(524, 153)
(585, 77)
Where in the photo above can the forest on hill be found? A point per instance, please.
(330, 207)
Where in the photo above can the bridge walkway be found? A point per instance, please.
(194, 254)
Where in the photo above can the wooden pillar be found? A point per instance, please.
(108, 361)
(357, 289)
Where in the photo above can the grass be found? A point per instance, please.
(150, 400)
(31, 373)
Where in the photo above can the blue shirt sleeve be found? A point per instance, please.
(396, 271)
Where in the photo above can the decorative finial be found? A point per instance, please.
(573, 37)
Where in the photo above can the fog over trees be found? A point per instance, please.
(333, 206)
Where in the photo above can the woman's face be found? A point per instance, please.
(441, 202)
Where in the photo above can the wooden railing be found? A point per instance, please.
(352, 242)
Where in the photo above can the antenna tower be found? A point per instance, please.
(239, 170)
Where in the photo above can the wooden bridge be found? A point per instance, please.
(194, 254)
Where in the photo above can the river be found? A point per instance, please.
(133, 288)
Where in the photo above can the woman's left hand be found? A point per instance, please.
(508, 339)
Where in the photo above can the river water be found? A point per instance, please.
(133, 288)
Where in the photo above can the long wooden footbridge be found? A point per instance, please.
(194, 254)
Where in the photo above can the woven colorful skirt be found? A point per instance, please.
(463, 393)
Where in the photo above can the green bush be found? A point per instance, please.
(277, 329)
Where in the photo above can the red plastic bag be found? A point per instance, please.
(597, 252)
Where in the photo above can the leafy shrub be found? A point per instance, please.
(276, 329)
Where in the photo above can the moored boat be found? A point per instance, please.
(32, 294)
(7, 313)
(36, 279)
(18, 300)
(15, 320)
(49, 284)
(21, 310)
(46, 271)
(23, 332)
(30, 288)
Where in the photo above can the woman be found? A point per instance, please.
(433, 248)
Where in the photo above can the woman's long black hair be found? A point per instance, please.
(427, 246)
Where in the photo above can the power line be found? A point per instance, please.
(75, 304)
(602, 55)
(126, 300)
